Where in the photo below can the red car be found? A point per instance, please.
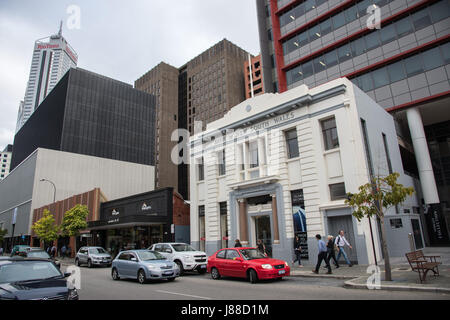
(246, 263)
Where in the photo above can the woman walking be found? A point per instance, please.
(297, 251)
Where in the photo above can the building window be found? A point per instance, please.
(337, 191)
(223, 224)
(201, 170)
(253, 154)
(329, 132)
(386, 151)
(367, 147)
(221, 158)
(292, 143)
(396, 223)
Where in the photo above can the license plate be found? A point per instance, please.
(203, 266)
(282, 272)
(168, 272)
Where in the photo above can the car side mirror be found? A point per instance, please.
(238, 259)
(134, 259)
(67, 274)
(168, 250)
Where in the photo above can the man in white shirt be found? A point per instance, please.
(340, 242)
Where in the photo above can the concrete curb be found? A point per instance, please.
(330, 276)
(352, 285)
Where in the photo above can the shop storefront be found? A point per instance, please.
(135, 222)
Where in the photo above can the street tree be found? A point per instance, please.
(74, 220)
(3, 232)
(375, 199)
(46, 228)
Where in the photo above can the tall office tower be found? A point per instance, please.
(52, 58)
(203, 89)
(404, 66)
(162, 82)
(215, 83)
(253, 77)
(5, 161)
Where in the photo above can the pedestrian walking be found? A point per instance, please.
(297, 251)
(261, 247)
(237, 244)
(322, 255)
(330, 251)
(63, 251)
(53, 251)
(69, 251)
(1, 251)
(340, 243)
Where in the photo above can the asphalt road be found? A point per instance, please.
(97, 284)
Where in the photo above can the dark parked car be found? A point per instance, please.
(39, 253)
(18, 249)
(33, 279)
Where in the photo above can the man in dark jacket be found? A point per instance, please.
(297, 251)
(237, 244)
(330, 251)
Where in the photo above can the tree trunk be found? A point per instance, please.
(387, 264)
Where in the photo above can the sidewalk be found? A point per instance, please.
(402, 276)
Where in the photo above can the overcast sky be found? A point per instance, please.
(117, 38)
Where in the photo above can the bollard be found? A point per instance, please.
(411, 242)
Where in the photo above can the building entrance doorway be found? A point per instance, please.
(345, 223)
(263, 232)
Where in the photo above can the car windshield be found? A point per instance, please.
(150, 255)
(179, 247)
(251, 254)
(97, 250)
(38, 254)
(27, 271)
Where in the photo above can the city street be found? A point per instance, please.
(97, 284)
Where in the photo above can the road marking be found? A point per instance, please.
(183, 294)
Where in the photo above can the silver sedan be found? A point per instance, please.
(143, 265)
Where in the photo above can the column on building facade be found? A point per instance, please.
(276, 232)
(239, 161)
(243, 225)
(261, 157)
(245, 160)
(419, 141)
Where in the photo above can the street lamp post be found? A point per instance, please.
(54, 188)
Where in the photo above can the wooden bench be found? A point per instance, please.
(422, 264)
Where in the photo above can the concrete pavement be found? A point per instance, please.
(402, 276)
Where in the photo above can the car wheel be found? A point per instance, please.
(201, 270)
(180, 266)
(77, 262)
(215, 274)
(141, 277)
(115, 274)
(170, 279)
(252, 276)
(280, 278)
(89, 263)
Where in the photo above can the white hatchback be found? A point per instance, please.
(186, 257)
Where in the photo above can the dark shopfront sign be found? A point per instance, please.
(154, 207)
(437, 226)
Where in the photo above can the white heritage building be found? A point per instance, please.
(280, 164)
